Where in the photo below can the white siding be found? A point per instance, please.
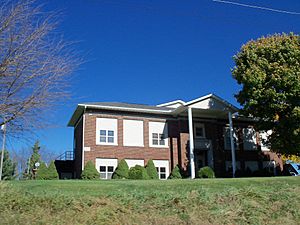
(249, 138)
(134, 162)
(161, 128)
(133, 133)
(106, 124)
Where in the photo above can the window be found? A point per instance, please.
(158, 134)
(106, 167)
(158, 139)
(199, 130)
(162, 174)
(106, 131)
(133, 133)
(227, 141)
(228, 165)
(107, 136)
(106, 172)
(162, 167)
(252, 165)
(264, 137)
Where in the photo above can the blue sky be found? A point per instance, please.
(154, 51)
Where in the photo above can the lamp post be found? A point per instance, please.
(3, 128)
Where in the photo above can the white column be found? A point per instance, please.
(232, 144)
(191, 133)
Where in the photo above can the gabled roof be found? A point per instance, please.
(169, 108)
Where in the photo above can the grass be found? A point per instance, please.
(214, 201)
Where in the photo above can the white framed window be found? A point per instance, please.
(227, 141)
(249, 139)
(106, 167)
(162, 174)
(106, 131)
(162, 167)
(199, 130)
(106, 172)
(133, 133)
(158, 134)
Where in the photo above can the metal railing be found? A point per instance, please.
(68, 155)
(202, 143)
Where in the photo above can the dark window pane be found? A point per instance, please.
(102, 168)
(161, 136)
(162, 169)
(155, 142)
(162, 142)
(199, 132)
(154, 135)
(157, 169)
(102, 132)
(110, 140)
(110, 169)
(110, 133)
(162, 176)
(102, 139)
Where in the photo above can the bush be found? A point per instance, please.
(52, 172)
(121, 171)
(151, 170)
(175, 174)
(42, 172)
(138, 173)
(90, 172)
(206, 172)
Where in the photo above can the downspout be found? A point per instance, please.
(83, 130)
(232, 144)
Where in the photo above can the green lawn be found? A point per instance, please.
(215, 201)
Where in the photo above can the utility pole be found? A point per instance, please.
(3, 128)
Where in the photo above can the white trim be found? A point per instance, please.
(83, 128)
(171, 103)
(232, 144)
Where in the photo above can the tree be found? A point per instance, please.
(35, 157)
(175, 174)
(90, 172)
(42, 172)
(9, 167)
(151, 170)
(52, 172)
(121, 171)
(269, 71)
(34, 64)
(138, 173)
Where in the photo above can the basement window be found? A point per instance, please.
(162, 174)
(106, 172)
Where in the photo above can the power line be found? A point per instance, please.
(257, 7)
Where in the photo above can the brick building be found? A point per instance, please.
(108, 132)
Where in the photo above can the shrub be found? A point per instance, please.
(206, 172)
(52, 172)
(90, 172)
(175, 174)
(151, 170)
(138, 173)
(42, 172)
(121, 171)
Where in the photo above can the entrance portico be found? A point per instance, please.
(200, 147)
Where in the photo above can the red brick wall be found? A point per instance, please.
(120, 151)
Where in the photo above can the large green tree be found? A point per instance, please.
(268, 69)
(9, 167)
